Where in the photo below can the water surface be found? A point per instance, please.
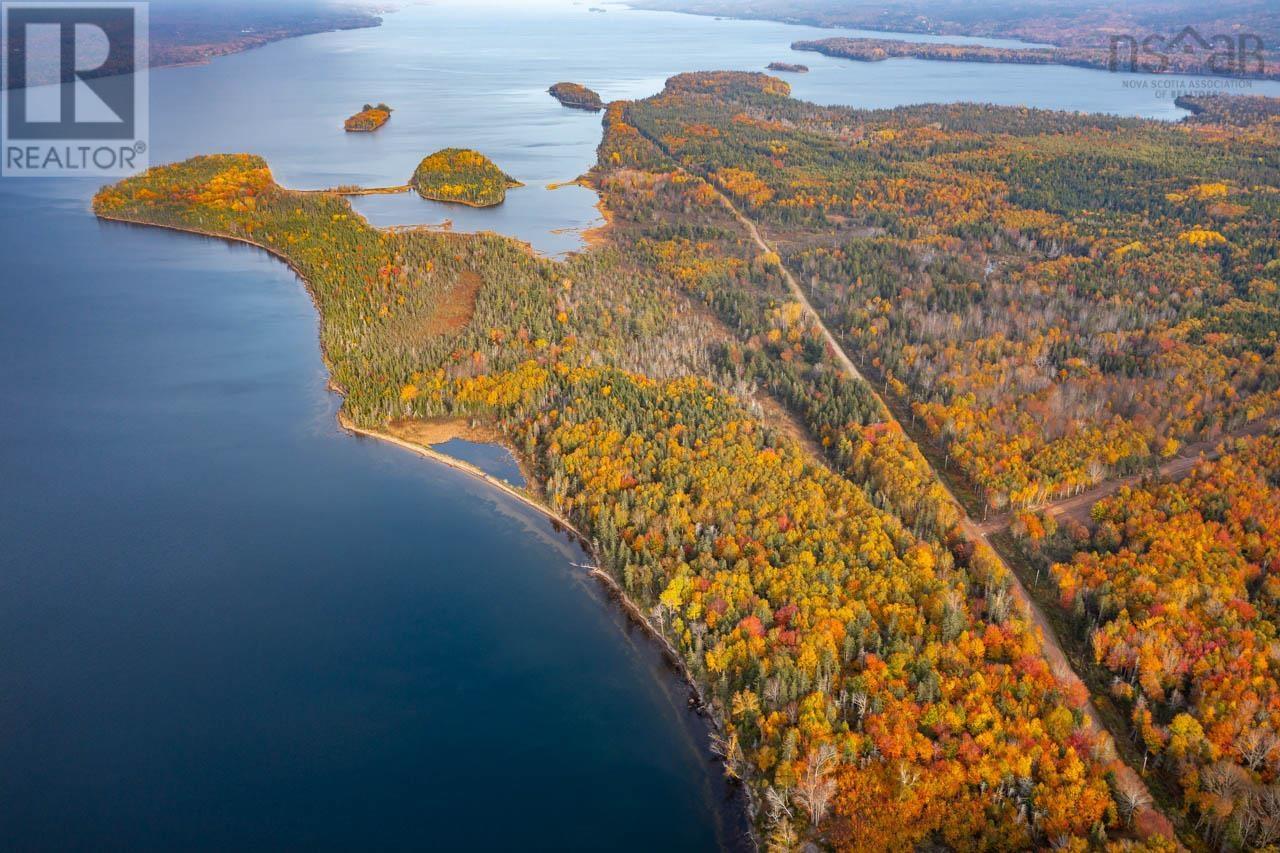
(224, 624)
(493, 459)
(475, 75)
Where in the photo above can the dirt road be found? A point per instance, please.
(1059, 664)
(1077, 507)
(1128, 778)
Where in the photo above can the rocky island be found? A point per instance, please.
(369, 119)
(462, 176)
(577, 96)
(790, 67)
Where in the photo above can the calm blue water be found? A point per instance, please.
(492, 459)
(224, 624)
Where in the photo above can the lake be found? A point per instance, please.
(226, 624)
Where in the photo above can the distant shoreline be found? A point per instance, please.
(955, 39)
(1096, 59)
(165, 54)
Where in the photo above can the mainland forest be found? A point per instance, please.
(811, 349)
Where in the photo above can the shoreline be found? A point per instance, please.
(347, 425)
(244, 241)
(948, 37)
(697, 699)
(515, 185)
(597, 235)
(740, 794)
(222, 50)
(592, 236)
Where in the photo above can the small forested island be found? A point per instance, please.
(788, 67)
(369, 119)
(462, 176)
(1044, 305)
(577, 96)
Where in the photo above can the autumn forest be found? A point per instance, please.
(817, 358)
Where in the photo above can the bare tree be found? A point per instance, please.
(1131, 797)
(730, 751)
(776, 803)
(699, 632)
(908, 775)
(1256, 747)
(782, 832)
(783, 837)
(858, 703)
(1260, 817)
(998, 605)
(659, 614)
(1227, 783)
(772, 691)
(816, 787)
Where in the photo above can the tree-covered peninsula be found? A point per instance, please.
(684, 394)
